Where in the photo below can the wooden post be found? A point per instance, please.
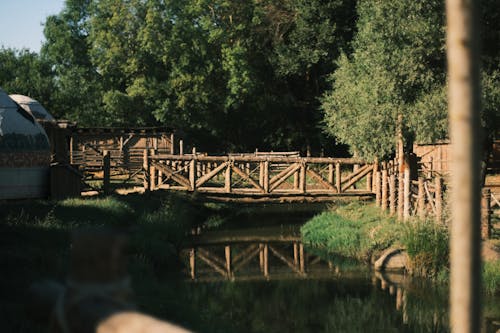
(192, 263)
(369, 182)
(303, 179)
(439, 199)
(392, 194)
(384, 190)
(181, 147)
(71, 161)
(266, 177)
(261, 257)
(486, 214)
(172, 144)
(261, 174)
(192, 173)
(401, 196)
(421, 199)
(377, 189)
(302, 259)
(330, 173)
(375, 170)
(266, 260)
(407, 194)
(338, 178)
(145, 166)
(152, 172)
(464, 109)
(227, 179)
(106, 166)
(227, 251)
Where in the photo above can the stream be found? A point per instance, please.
(294, 291)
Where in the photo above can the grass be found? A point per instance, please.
(353, 230)
(491, 277)
(362, 232)
(35, 242)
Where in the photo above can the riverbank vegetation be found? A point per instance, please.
(36, 242)
(362, 232)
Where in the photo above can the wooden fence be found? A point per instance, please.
(116, 151)
(419, 193)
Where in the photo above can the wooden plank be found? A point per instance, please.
(360, 174)
(354, 174)
(173, 175)
(206, 177)
(248, 178)
(284, 172)
(250, 159)
(211, 256)
(212, 264)
(320, 179)
(280, 178)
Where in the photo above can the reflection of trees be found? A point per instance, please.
(307, 306)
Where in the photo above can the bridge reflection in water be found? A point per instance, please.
(221, 256)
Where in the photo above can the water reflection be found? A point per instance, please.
(264, 280)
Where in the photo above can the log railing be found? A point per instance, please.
(256, 175)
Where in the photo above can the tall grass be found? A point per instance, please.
(427, 245)
(491, 277)
(354, 230)
(362, 232)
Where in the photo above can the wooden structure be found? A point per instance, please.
(436, 157)
(257, 176)
(89, 146)
(247, 257)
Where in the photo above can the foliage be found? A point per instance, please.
(397, 68)
(398, 62)
(25, 73)
(491, 277)
(232, 75)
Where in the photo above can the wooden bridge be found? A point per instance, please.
(251, 258)
(258, 177)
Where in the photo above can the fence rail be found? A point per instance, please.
(256, 175)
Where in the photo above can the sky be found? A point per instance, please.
(21, 22)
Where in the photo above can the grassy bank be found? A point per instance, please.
(362, 232)
(35, 243)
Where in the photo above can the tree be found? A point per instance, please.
(78, 89)
(397, 67)
(24, 72)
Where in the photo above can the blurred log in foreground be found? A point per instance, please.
(96, 298)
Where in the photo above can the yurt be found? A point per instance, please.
(33, 107)
(24, 153)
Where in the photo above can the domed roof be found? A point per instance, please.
(33, 107)
(19, 132)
